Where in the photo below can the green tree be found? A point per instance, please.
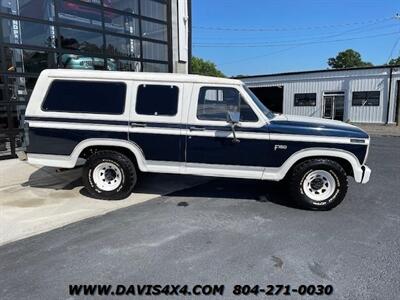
(394, 61)
(347, 59)
(205, 67)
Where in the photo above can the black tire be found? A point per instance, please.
(121, 162)
(299, 175)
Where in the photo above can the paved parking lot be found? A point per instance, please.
(38, 199)
(225, 232)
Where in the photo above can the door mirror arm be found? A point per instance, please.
(234, 120)
(235, 139)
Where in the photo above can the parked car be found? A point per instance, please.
(72, 61)
(116, 123)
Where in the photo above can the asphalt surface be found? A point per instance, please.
(226, 232)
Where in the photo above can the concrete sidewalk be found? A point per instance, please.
(35, 200)
(380, 130)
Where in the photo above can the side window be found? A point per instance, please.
(215, 103)
(92, 97)
(305, 99)
(157, 100)
(366, 98)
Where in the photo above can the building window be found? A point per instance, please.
(84, 62)
(155, 51)
(122, 46)
(215, 103)
(81, 40)
(37, 9)
(154, 9)
(157, 100)
(130, 6)
(155, 31)
(3, 117)
(28, 33)
(86, 96)
(305, 99)
(79, 14)
(121, 23)
(366, 98)
(28, 61)
(113, 35)
(154, 67)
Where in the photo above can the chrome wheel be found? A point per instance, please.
(319, 185)
(107, 176)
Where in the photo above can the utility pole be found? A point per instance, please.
(397, 114)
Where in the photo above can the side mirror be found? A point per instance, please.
(233, 118)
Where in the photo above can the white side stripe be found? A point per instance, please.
(313, 138)
(78, 126)
(156, 130)
(227, 134)
(205, 133)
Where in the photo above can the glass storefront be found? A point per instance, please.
(123, 35)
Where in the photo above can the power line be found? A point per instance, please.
(395, 43)
(293, 44)
(269, 54)
(220, 39)
(246, 29)
(316, 38)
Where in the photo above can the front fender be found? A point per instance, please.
(277, 175)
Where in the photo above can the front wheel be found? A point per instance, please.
(318, 184)
(109, 175)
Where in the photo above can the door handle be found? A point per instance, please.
(132, 124)
(194, 128)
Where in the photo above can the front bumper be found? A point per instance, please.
(365, 174)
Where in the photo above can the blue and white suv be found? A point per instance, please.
(116, 123)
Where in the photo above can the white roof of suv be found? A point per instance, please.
(115, 75)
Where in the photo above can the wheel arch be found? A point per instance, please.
(345, 164)
(130, 149)
(346, 159)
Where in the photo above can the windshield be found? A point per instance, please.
(269, 114)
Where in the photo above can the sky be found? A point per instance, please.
(248, 37)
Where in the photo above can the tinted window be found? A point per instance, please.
(81, 40)
(306, 99)
(157, 100)
(366, 98)
(116, 45)
(31, 33)
(130, 6)
(214, 104)
(155, 31)
(86, 96)
(154, 9)
(155, 51)
(37, 9)
(154, 67)
(79, 14)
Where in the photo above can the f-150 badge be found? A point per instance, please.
(280, 147)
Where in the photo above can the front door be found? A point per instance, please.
(210, 138)
(333, 106)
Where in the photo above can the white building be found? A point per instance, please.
(358, 95)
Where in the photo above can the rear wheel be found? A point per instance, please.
(319, 184)
(109, 175)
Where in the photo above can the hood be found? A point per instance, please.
(289, 124)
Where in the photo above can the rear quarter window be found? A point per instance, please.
(85, 97)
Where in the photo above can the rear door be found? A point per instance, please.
(155, 122)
